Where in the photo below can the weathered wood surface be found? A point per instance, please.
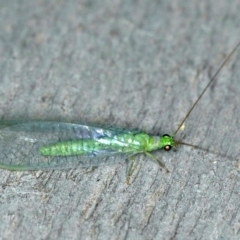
(136, 64)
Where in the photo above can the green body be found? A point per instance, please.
(121, 143)
(39, 145)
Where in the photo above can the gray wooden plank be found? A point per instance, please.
(134, 64)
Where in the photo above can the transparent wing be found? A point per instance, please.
(20, 142)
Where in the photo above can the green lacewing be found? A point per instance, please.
(45, 145)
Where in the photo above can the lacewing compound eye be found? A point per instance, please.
(167, 148)
(166, 135)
